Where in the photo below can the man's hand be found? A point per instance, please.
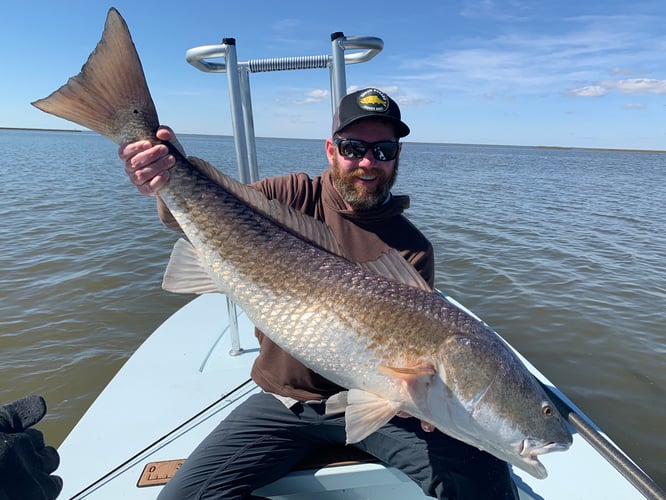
(26, 463)
(147, 166)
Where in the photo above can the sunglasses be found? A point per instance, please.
(354, 148)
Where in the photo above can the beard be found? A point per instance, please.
(361, 197)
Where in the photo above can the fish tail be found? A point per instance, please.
(110, 94)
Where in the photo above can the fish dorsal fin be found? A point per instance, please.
(393, 266)
(303, 225)
(390, 265)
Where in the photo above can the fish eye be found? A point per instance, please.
(547, 410)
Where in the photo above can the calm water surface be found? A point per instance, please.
(562, 251)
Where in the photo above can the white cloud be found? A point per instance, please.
(589, 91)
(630, 86)
(317, 94)
(637, 86)
(313, 96)
(521, 61)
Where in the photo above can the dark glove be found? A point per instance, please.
(26, 463)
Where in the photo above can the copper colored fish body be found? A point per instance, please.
(374, 328)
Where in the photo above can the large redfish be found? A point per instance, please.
(375, 328)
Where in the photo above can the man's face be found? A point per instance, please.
(363, 183)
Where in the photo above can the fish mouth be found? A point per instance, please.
(530, 449)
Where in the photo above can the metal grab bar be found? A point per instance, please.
(203, 57)
(199, 57)
(371, 44)
(288, 63)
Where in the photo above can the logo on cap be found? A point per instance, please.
(373, 100)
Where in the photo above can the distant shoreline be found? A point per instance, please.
(603, 149)
(41, 129)
(627, 150)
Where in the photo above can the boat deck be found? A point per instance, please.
(182, 381)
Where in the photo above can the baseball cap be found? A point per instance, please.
(368, 103)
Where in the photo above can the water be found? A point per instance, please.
(561, 251)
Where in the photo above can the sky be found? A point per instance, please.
(516, 72)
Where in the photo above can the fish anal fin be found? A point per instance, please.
(185, 272)
(337, 403)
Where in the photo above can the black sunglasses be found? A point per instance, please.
(354, 148)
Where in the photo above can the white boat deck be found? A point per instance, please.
(185, 367)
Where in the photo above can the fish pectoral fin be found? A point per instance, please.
(365, 413)
(415, 379)
(185, 273)
(407, 373)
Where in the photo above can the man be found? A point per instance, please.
(26, 463)
(267, 435)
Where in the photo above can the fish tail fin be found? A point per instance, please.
(110, 94)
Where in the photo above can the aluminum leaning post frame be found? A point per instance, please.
(222, 59)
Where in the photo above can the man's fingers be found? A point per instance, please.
(155, 184)
(164, 133)
(427, 427)
(128, 151)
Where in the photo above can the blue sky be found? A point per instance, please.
(558, 73)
